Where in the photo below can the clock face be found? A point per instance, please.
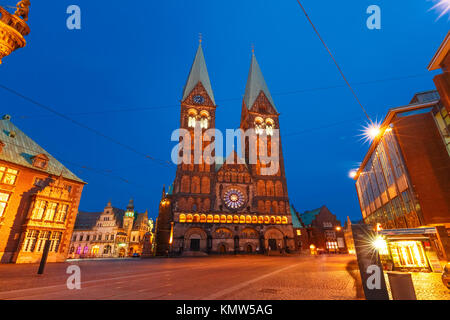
(234, 199)
(199, 99)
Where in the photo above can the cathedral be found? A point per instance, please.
(226, 205)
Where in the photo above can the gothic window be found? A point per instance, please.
(206, 205)
(269, 126)
(275, 207)
(182, 204)
(195, 185)
(192, 118)
(220, 176)
(50, 211)
(204, 119)
(281, 207)
(185, 184)
(259, 124)
(40, 161)
(227, 176)
(261, 188)
(270, 188)
(182, 218)
(261, 206)
(279, 189)
(196, 218)
(203, 218)
(247, 178)
(190, 204)
(268, 206)
(233, 177)
(205, 185)
(189, 218)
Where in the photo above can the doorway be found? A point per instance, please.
(272, 244)
(249, 249)
(195, 245)
(222, 249)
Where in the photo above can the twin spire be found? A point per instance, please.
(255, 82)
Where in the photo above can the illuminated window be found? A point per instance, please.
(299, 233)
(192, 118)
(223, 219)
(189, 218)
(248, 219)
(50, 211)
(43, 236)
(203, 218)
(254, 219)
(8, 176)
(242, 219)
(216, 218)
(38, 210)
(210, 218)
(236, 219)
(266, 219)
(261, 219)
(204, 117)
(55, 241)
(4, 197)
(30, 240)
(284, 220)
(196, 218)
(269, 126)
(278, 220)
(259, 124)
(229, 219)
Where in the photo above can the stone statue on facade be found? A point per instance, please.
(23, 8)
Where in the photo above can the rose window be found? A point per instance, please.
(234, 199)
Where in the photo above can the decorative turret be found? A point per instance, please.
(13, 28)
(130, 209)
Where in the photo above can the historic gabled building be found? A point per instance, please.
(39, 199)
(230, 205)
(110, 234)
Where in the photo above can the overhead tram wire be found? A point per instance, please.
(126, 146)
(335, 62)
(137, 109)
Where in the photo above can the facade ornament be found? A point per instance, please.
(23, 9)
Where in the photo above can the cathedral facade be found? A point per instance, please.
(231, 204)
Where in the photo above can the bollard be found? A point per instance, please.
(402, 287)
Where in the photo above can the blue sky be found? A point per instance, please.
(136, 55)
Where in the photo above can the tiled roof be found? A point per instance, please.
(256, 84)
(86, 220)
(20, 150)
(198, 73)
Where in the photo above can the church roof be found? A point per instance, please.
(198, 73)
(295, 221)
(309, 216)
(256, 84)
(20, 149)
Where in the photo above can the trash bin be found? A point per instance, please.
(402, 287)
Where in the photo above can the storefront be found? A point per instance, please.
(411, 250)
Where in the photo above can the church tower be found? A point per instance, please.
(259, 113)
(193, 182)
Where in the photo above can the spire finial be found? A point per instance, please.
(253, 48)
(200, 38)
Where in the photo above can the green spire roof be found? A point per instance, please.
(256, 84)
(198, 73)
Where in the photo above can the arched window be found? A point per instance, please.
(261, 188)
(279, 189)
(266, 219)
(284, 220)
(270, 124)
(206, 204)
(196, 218)
(270, 189)
(278, 220)
(182, 218)
(275, 207)
(210, 218)
(203, 218)
(259, 125)
(195, 185)
(248, 219)
(229, 219)
(216, 218)
(281, 208)
(260, 219)
(242, 219)
(272, 220)
(205, 185)
(223, 219)
(236, 219)
(185, 184)
(261, 206)
(254, 219)
(204, 119)
(189, 218)
(192, 118)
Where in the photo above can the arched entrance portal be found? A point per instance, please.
(194, 244)
(274, 239)
(222, 249)
(249, 249)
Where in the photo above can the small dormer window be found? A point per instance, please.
(40, 161)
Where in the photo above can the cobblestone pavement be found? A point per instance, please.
(428, 286)
(333, 277)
